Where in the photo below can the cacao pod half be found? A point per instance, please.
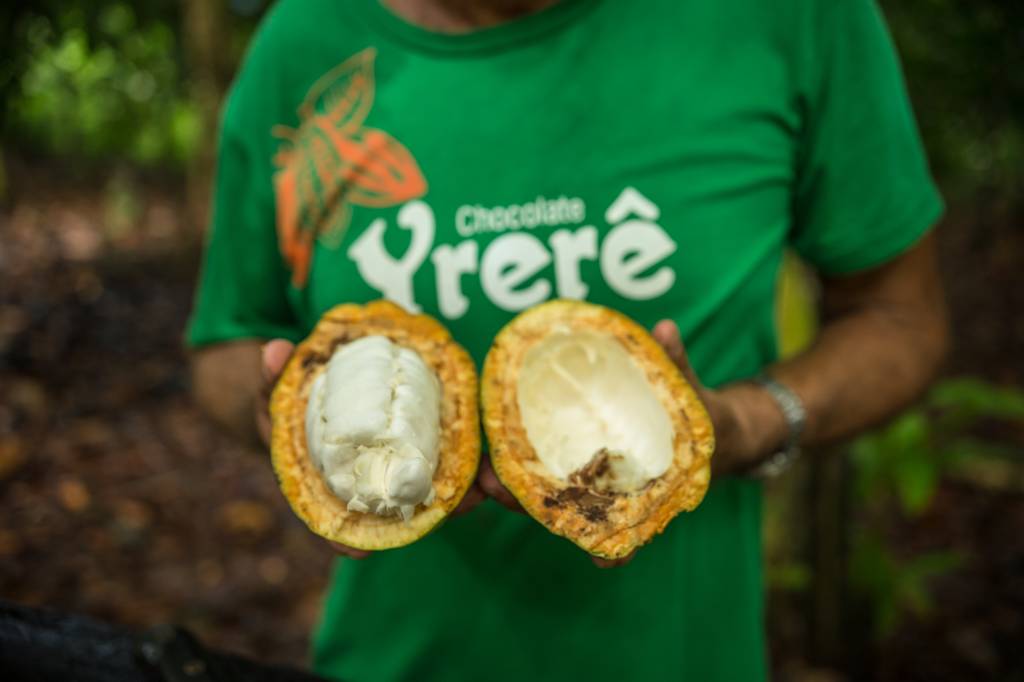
(376, 434)
(592, 427)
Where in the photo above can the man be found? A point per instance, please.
(471, 158)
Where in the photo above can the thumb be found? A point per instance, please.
(275, 354)
(666, 333)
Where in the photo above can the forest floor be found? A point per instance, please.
(119, 500)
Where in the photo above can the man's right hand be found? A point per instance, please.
(275, 354)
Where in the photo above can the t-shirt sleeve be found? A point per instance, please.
(243, 284)
(864, 193)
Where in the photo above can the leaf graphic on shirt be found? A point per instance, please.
(382, 171)
(344, 94)
(331, 161)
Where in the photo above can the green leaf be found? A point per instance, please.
(978, 398)
(916, 477)
(898, 460)
(908, 432)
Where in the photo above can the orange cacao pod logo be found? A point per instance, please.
(331, 162)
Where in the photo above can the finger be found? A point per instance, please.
(491, 485)
(666, 333)
(472, 498)
(350, 552)
(612, 563)
(275, 354)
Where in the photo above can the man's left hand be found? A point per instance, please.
(741, 415)
(747, 423)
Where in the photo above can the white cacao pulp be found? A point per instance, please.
(372, 426)
(583, 400)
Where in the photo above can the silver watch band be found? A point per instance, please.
(795, 414)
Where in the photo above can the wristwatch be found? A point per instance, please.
(796, 417)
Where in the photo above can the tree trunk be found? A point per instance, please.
(828, 547)
(205, 25)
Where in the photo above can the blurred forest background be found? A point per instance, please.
(902, 558)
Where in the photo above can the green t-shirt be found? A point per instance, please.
(653, 156)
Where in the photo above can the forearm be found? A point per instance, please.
(226, 383)
(864, 368)
(883, 338)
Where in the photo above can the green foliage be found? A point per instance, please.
(969, 399)
(965, 69)
(120, 95)
(904, 463)
(896, 588)
(899, 460)
(106, 78)
(907, 458)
